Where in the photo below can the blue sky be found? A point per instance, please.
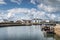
(10, 5)
(29, 9)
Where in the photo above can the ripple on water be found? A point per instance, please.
(21, 33)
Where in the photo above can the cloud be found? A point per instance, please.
(2, 2)
(48, 2)
(40, 14)
(47, 8)
(17, 1)
(2, 16)
(36, 1)
(52, 16)
(28, 12)
(14, 11)
(48, 5)
(33, 1)
(58, 18)
(58, 0)
(15, 14)
(52, 2)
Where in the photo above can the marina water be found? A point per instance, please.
(23, 33)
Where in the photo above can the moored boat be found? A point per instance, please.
(48, 29)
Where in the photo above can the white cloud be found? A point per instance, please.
(58, 0)
(58, 18)
(28, 12)
(41, 15)
(47, 8)
(2, 16)
(33, 1)
(48, 5)
(12, 14)
(2, 2)
(17, 1)
(52, 16)
(52, 2)
(48, 2)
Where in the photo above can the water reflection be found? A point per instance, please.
(56, 37)
(23, 33)
(49, 37)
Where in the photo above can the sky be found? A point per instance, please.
(29, 9)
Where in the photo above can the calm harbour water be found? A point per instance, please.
(24, 33)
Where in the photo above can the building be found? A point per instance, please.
(36, 20)
(27, 21)
(19, 21)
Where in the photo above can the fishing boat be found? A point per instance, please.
(48, 29)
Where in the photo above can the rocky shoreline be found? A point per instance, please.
(57, 30)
